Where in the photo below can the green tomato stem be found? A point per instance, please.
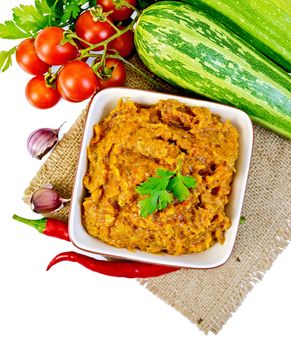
(142, 73)
(82, 40)
(112, 25)
(100, 63)
(107, 41)
(87, 52)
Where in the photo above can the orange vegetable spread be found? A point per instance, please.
(128, 146)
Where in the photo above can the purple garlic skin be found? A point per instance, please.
(46, 200)
(41, 141)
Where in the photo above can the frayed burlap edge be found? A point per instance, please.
(247, 284)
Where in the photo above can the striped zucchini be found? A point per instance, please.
(265, 24)
(187, 48)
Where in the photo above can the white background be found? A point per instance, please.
(70, 307)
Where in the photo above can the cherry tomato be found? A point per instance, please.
(77, 81)
(124, 43)
(118, 15)
(39, 95)
(91, 31)
(28, 60)
(118, 75)
(49, 49)
(64, 96)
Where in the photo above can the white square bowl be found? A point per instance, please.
(218, 254)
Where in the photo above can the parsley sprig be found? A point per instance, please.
(163, 188)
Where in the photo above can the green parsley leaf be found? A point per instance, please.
(42, 6)
(29, 19)
(9, 30)
(149, 205)
(6, 59)
(72, 11)
(242, 220)
(165, 173)
(92, 3)
(165, 198)
(189, 181)
(153, 184)
(156, 201)
(56, 6)
(178, 188)
(162, 188)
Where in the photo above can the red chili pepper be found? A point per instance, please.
(123, 268)
(47, 226)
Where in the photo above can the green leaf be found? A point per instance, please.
(165, 198)
(179, 189)
(72, 10)
(9, 30)
(189, 181)
(56, 6)
(148, 205)
(92, 3)
(6, 59)
(152, 184)
(242, 220)
(165, 173)
(28, 18)
(162, 188)
(43, 7)
(156, 201)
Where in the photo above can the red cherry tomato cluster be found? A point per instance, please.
(74, 79)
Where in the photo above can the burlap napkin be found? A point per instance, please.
(207, 297)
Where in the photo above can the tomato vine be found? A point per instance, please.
(58, 32)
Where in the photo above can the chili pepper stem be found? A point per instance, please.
(39, 224)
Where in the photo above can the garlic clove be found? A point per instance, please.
(46, 200)
(41, 141)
